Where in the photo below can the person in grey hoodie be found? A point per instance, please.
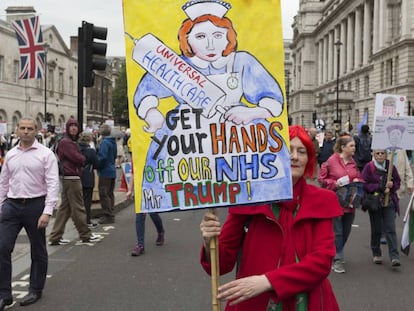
(107, 174)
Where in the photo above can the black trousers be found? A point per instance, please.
(87, 201)
(17, 214)
(106, 188)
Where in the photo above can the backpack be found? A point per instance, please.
(54, 148)
(363, 148)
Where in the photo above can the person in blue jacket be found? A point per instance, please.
(107, 174)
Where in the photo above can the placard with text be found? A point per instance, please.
(206, 103)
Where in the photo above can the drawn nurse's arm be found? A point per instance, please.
(259, 88)
(149, 112)
(146, 101)
(266, 108)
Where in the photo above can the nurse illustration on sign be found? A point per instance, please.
(208, 42)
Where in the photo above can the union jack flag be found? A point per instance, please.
(32, 55)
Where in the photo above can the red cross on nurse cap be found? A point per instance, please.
(197, 8)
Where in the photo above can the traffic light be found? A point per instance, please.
(91, 54)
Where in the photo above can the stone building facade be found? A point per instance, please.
(19, 98)
(358, 47)
(98, 99)
(28, 97)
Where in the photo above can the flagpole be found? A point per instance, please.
(45, 48)
(215, 270)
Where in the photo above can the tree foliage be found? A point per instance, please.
(120, 99)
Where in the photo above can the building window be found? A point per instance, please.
(389, 73)
(349, 86)
(382, 73)
(357, 88)
(299, 73)
(396, 71)
(287, 56)
(40, 86)
(1, 67)
(61, 82)
(70, 85)
(394, 19)
(50, 82)
(16, 71)
(366, 86)
(88, 101)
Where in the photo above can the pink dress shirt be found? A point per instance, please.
(30, 173)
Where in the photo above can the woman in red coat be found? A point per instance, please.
(288, 249)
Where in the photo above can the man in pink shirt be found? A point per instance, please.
(29, 189)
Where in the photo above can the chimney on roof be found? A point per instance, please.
(19, 12)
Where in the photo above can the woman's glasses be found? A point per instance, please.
(379, 153)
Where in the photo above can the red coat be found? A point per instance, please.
(335, 168)
(266, 250)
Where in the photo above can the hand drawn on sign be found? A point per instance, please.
(212, 149)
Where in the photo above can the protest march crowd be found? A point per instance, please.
(323, 168)
(283, 251)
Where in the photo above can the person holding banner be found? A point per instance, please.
(339, 171)
(383, 219)
(287, 251)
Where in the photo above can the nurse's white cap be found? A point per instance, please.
(197, 8)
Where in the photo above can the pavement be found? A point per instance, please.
(21, 252)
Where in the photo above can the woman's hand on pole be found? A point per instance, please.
(210, 227)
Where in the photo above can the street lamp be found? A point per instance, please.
(287, 75)
(46, 49)
(337, 122)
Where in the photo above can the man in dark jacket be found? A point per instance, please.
(71, 197)
(107, 174)
(327, 148)
(88, 174)
(363, 152)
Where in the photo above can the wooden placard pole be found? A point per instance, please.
(389, 177)
(215, 270)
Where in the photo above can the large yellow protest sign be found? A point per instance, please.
(206, 103)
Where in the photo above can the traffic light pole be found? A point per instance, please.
(81, 68)
(91, 56)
